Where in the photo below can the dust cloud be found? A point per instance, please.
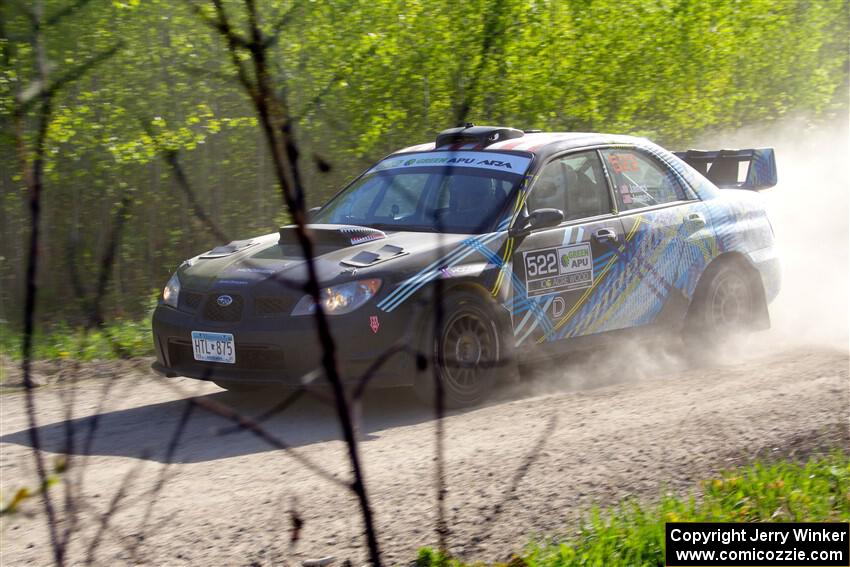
(809, 214)
(808, 210)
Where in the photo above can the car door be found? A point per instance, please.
(659, 217)
(558, 271)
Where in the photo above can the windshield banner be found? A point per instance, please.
(483, 160)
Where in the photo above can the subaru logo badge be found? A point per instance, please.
(224, 300)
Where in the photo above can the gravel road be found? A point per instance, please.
(532, 461)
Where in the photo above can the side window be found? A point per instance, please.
(573, 184)
(639, 180)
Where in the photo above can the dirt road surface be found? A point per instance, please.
(530, 462)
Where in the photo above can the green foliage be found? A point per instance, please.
(633, 534)
(119, 338)
(433, 558)
(361, 79)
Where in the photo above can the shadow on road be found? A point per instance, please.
(144, 432)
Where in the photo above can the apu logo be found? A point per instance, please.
(224, 300)
(374, 324)
(575, 258)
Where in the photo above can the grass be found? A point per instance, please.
(120, 338)
(633, 534)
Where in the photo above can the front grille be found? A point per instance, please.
(190, 300)
(271, 305)
(230, 313)
(247, 357)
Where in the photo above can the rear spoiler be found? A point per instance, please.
(753, 169)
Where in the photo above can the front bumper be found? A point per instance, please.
(285, 350)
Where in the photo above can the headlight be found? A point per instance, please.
(171, 291)
(340, 299)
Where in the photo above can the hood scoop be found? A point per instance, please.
(369, 258)
(333, 235)
(228, 249)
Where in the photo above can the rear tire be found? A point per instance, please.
(468, 354)
(723, 306)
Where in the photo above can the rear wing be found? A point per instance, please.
(753, 169)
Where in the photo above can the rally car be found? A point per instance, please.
(534, 243)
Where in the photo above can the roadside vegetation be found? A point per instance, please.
(633, 533)
(116, 338)
(143, 133)
(119, 338)
(386, 75)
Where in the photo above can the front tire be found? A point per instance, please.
(468, 353)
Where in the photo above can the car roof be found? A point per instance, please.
(536, 143)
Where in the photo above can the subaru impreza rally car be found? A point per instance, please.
(535, 243)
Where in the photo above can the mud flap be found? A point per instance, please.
(761, 315)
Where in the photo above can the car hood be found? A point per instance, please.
(341, 252)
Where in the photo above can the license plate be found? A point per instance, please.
(213, 347)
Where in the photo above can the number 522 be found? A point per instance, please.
(541, 264)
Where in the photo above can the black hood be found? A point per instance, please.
(341, 253)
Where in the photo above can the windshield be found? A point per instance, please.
(455, 192)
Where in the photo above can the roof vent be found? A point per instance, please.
(478, 135)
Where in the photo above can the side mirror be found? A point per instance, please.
(541, 218)
(545, 218)
(312, 212)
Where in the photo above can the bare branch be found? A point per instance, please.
(277, 127)
(107, 261)
(442, 526)
(111, 510)
(219, 24)
(172, 158)
(279, 407)
(519, 474)
(235, 43)
(281, 23)
(317, 99)
(250, 425)
(376, 365)
(494, 29)
(32, 161)
(40, 87)
(153, 495)
(33, 177)
(62, 13)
